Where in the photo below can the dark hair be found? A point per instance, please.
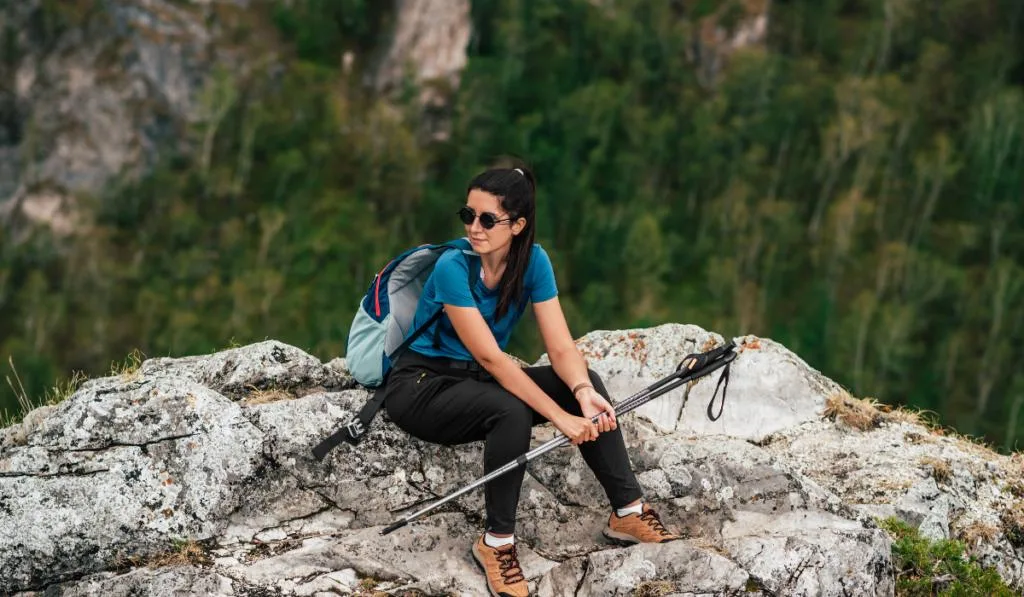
(516, 190)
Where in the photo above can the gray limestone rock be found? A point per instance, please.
(770, 388)
(264, 366)
(926, 508)
(677, 567)
(175, 581)
(946, 486)
(98, 96)
(212, 455)
(121, 469)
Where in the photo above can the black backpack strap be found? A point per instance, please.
(412, 337)
(437, 331)
(353, 431)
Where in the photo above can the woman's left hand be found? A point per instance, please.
(593, 404)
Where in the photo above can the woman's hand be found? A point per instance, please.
(577, 429)
(593, 404)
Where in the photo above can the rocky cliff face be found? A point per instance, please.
(91, 92)
(733, 26)
(194, 476)
(428, 48)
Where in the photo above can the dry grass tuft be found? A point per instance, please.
(185, 553)
(970, 443)
(892, 486)
(1013, 523)
(182, 553)
(368, 588)
(941, 471)
(1013, 468)
(915, 438)
(903, 415)
(977, 533)
(867, 413)
(853, 412)
(367, 583)
(264, 396)
(653, 588)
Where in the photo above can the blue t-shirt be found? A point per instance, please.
(449, 284)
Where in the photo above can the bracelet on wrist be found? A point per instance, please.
(579, 387)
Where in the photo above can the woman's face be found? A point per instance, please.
(499, 237)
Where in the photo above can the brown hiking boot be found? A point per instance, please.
(501, 568)
(638, 528)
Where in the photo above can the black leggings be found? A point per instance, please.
(436, 402)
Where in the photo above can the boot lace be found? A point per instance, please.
(508, 562)
(654, 522)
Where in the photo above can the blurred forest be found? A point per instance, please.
(852, 189)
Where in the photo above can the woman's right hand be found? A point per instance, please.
(577, 429)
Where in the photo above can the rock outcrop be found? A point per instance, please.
(427, 46)
(195, 475)
(92, 92)
(95, 89)
(733, 26)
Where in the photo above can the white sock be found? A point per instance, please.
(493, 541)
(637, 509)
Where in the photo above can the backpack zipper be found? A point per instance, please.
(376, 288)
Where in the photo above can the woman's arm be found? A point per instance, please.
(478, 339)
(565, 357)
(569, 364)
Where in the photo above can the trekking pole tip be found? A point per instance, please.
(394, 526)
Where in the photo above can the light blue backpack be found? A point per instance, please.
(378, 333)
(380, 328)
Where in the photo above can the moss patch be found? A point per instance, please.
(926, 568)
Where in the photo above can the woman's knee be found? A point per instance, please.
(515, 413)
(509, 430)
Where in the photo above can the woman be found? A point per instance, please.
(455, 384)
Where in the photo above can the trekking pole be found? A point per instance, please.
(705, 363)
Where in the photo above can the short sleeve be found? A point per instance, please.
(542, 283)
(451, 280)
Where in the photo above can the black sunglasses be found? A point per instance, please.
(487, 219)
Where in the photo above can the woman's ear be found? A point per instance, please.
(518, 226)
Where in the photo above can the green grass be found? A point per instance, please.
(55, 394)
(926, 568)
(128, 369)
